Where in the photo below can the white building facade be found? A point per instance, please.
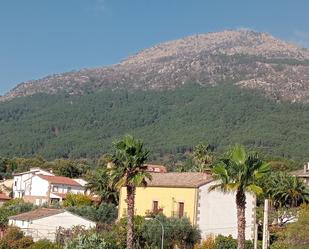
(217, 213)
(43, 223)
(21, 181)
(38, 187)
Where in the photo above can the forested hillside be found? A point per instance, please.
(168, 121)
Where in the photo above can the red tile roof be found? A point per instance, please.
(60, 180)
(37, 214)
(4, 197)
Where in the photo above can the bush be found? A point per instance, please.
(105, 213)
(14, 239)
(88, 241)
(44, 244)
(208, 243)
(228, 242)
(78, 200)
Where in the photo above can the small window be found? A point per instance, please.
(181, 209)
(69, 189)
(55, 188)
(15, 183)
(155, 206)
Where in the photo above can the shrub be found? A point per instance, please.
(228, 242)
(88, 241)
(105, 213)
(78, 200)
(14, 239)
(44, 244)
(208, 243)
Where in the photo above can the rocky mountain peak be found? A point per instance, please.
(245, 58)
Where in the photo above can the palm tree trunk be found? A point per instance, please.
(241, 218)
(130, 227)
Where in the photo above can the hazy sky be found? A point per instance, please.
(41, 37)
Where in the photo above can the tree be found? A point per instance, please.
(284, 190)
(203, 157)
(129, 171)
(238, 172)
(99, 182)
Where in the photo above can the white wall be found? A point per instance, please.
(39, 187)
(217, 213)
(47, 227)
(19, 223)
(23, 181)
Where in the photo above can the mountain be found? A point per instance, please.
(224, 88)
(245, 58)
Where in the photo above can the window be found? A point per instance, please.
(55, 188)
(69, 189)
(155, 206)
(15, 183)
(181, 209)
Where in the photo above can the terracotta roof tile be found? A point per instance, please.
(37, 214)
(4, 197)
(181, 180)
(60, 180)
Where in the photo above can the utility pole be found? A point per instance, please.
(265, 225)
(256, 235)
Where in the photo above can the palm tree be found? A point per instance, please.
(286, 190)
(203, 157)
(238, 172)
(99, 182)
(129, 171)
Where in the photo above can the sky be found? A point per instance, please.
(42, 37)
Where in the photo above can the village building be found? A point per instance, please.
(187, 195)
(21, 181)
(44, 223)
(303, 173)
(38, 186)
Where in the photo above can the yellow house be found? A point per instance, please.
(187, 195)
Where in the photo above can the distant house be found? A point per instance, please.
(187, 195)
(156, 168)
(39, 186)
(4, 198)
(21, 181)
(43, 223)
(303, 173)
(51, 189)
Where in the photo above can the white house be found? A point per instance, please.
(43, 223)
(39, 186)
(21, 183)
(45, 188)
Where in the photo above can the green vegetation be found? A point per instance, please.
(239, 172)
(129, 171)
(13, 207)
(169, 122)
(105, 213)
